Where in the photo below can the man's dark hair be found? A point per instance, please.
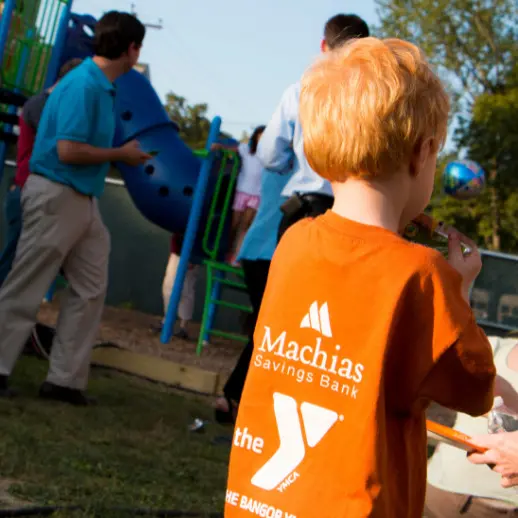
(115, 32)
(344, 27)
(68, 67)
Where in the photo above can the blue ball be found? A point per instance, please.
(463, 179)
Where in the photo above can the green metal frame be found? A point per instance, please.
(29, 46)
(32, 33)
(217, 271)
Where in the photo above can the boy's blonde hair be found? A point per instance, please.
(365, 106)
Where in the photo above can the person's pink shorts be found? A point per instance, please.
(243, 201)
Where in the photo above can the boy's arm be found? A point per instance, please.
(438, 352)
(463, 377)
(275, 148)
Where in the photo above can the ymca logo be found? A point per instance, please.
(318, 319)
(317, 422)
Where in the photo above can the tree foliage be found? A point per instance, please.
(193, 122)
(474, 46)
(472, 42)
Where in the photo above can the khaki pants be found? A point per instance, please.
(61, 228)
(443, 504)
(187, 299)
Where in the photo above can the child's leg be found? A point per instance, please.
(237, 216)
(246, 222)
(186, 306)
(169, 277)
(238, 209)
(234, 230)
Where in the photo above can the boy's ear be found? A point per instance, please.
(323, 46)
(422, 150)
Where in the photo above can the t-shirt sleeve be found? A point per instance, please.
(463, 377)
(74, 124)
(438, 352)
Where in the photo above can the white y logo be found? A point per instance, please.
(318, 319)
(317, 422)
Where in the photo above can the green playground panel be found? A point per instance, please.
(32, 33)
(217, 271)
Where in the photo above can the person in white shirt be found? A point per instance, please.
(248, 190)
(458, 488)
(281, 149)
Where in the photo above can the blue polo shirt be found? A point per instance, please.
(81, 108)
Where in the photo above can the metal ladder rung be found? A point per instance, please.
(227, 282)
(230, 336)
(231, 305)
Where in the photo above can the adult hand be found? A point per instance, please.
(468, 265)
(501, 455)
(131, 154)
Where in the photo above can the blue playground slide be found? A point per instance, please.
(163, 188)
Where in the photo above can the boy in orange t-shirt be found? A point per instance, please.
(359, 329)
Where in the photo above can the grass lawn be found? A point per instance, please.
(133, 449)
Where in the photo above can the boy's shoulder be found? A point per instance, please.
(402, 258)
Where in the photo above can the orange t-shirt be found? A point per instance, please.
(358, 331)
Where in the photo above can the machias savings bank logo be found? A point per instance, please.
(317, 318)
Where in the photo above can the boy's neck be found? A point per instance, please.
(112, 69)
(378, 205)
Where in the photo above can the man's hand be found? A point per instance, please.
(131, 154)
(501, 455)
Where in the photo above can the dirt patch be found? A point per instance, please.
(134, 331)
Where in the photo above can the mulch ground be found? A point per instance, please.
(134, 331)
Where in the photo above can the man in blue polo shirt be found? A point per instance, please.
(62, 227)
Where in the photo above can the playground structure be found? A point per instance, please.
(176, 190)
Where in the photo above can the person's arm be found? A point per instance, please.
(73, 133)
(464, 376)
(275, 149)
(439, 353)
(73, 152)
(501, 455)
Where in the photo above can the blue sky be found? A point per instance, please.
(236, 55)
